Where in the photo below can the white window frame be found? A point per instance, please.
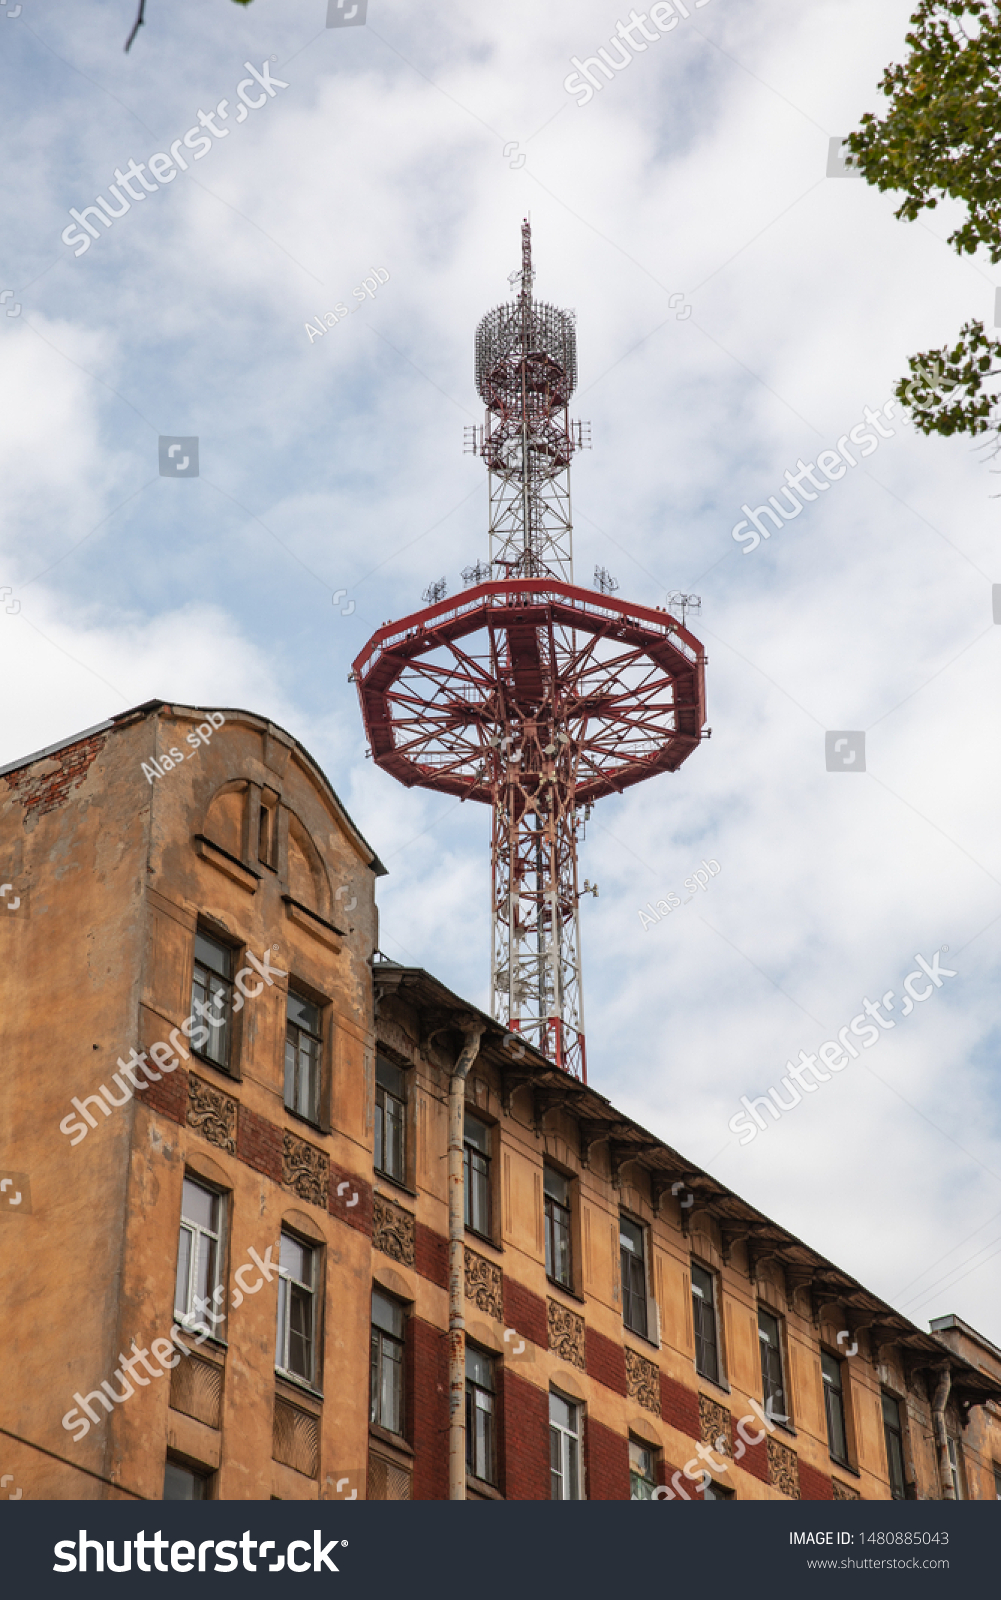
(721, 1381)
(565, 1435)
(314, 1059)
(283, 1332)
(638, 1446)
(384, 1117)
(218, 1047)
(647, 1332)
(786, 1418)
(198, 1234)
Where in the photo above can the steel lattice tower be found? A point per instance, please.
(527, 693)
(526, 371)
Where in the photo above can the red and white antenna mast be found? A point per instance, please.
(529, 694)
(526, 371)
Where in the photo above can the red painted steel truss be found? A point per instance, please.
(536, 698)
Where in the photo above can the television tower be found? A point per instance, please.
(527, 693)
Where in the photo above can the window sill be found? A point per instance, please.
(397, 1183)
(483, 1238)
(206, 1061)
(721, 1385)
(299, 1116)
(784, 1427)
(481, 1489)
(299, 1384)
(212, 1348)
(571, 1294)
(386, 1436)
(642, 1336)
(845, 1466)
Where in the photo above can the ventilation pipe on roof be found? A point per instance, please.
(456, 1265)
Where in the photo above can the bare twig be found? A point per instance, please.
(140, 19)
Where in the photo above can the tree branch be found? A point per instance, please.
(140, 19)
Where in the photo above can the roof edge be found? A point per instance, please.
(149, 706)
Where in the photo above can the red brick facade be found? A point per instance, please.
(606, 1361)
(607, 1463)
(814, 1485)
(679, 1406)
(755, 1457)
(354, 1204)
(259, 1143)
(526, 1428)
(427, 1389)
(431, 1255)
(40, 791)
(526, 1312)
(170, 1096)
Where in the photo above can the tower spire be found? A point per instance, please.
(526, 371)
(526, 263)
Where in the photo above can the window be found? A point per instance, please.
(267, 834)
(955, 1457)
(834, 1402)
(476, 1175)
(633, 1275)
(772, 1386)
(716, 1491)
(212, 998)
(997, 1481)
(387, 1362)
(183, 1483)
(302, 1057)
(704, 1323)
(296, 1338)
(894, 1436)
(199, 1256)
(390, 1120)
(564, 1448)
(642, 1471)
(559, 1259)
(481, 1454)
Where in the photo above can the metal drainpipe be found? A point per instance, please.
(938, 1405)
(456, 1267)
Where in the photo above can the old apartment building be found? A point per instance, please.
(226, 1270)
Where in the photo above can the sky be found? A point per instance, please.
(737, 312)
